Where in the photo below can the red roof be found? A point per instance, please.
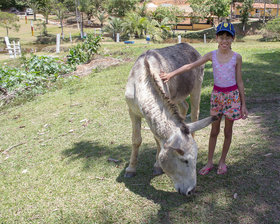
(259, 5)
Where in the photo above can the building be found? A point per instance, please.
(185, 24)
(258, 10)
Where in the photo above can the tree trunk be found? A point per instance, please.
(82, 25)
(264, 11)
(47, 19)
(61, 24)
(278, 8)
(7, 29)
(77, 13)
(231, 5)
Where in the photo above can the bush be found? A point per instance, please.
(271, 31)
(82, 53)
(210, 33)
(36, 74)
(46, 39)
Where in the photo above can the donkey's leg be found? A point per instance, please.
(183, 108)
(157, 169)
(195, 102)
(136, 142)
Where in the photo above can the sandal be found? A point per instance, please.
(222, 169)
(205, 170)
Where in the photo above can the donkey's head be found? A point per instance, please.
(178, 156)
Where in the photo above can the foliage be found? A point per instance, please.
(9, 21)
(158, 30)
(101, 16)
(142, 9)
(60, 9)
(173, 14)
(82, 53)
(271, 30)
(205, 9)
(245, 10)
(45, 8)
(114, 26)
(134, 24)
(36, 74)
(33, 4)
(121, 7)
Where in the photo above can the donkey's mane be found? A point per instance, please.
(156, 81)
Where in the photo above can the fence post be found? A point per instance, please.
(15, 51)
(118, 37)
(9, 48)
(70, 37)
(179, 39)
(204, 38)
(58, 43)
(32, 28)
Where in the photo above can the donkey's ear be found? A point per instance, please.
(185, 129)
(195, 126)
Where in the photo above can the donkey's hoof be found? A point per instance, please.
(157, 171)
(129, 174)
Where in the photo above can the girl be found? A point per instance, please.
(227, 97)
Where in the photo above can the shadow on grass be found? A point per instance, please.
(251, 179)
(254, 178)
(90, 151)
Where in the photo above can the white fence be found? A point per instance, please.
(13, 49)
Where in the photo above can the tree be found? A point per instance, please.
(120, 7)
(245, 9)
(101, 16)
(142, 9)
(134, 24)
(264, 11)
(33, 4)
(271, 30)
(60, 9)
(9, 21)
(173, 14)
(114, 26)
(46, 8)
(204, 9)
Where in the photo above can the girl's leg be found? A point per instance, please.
(211, 147)
(227, 142)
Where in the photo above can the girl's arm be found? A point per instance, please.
(187, 67)
(239, 81)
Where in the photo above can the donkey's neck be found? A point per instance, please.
(160, 114)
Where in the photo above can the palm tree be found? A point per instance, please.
(134, 24)
(114, 26)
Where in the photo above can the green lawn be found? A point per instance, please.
(58, 170)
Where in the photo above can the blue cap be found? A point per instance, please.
(228, 27)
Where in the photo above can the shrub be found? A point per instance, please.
(36, 74)
(82, 53)
(271, 30)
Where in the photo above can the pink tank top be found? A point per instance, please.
(224, 74)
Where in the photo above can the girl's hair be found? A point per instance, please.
(222, 32)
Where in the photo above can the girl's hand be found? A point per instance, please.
(164, 76)
(244, 112)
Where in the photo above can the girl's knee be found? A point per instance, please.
(214, 132)
(228, 132)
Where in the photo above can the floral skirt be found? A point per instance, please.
(226, 104)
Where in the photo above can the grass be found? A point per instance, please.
(61, 173)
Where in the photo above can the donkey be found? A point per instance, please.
(164, 108)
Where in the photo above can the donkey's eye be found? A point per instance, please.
(187, 162)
